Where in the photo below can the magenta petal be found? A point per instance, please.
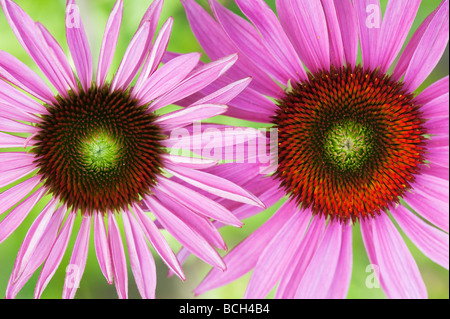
(190, 162)
(348, 22)
(434, 91)
(109, 42)
(159, 242)
(242, 258)
(19, 100)
(397, 22)
(102, 249)
(141, 260)
(7, 125)
(13, 195)
(225, 94)
(190, 115)
(55, 256)
(273, 261)
(429, 49)
(399, 275)
(77, 261)
(334, 32)
(430, 240)
(118, 257)
(369, 19)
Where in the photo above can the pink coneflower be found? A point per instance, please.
(97, 151)
(356, 145)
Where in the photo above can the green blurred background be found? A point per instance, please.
(93, 285)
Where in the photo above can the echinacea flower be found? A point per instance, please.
(357, 146)
(97, 150)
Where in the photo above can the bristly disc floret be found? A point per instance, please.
(98, 150)
(350, 142)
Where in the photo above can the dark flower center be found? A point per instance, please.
(99, 150)
(350, 142)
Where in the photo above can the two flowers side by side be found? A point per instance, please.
(351, 146)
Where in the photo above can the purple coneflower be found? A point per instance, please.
(97, 150)
(356, 145)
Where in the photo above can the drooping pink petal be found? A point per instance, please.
(433, 186)
(343, 274)
(118, 257)
(159, 242)
(275, 257)
(44, 243)
(167, 77)
(55, 256)
(242, 258)
(369, 21)
(215, 185)
(430, 240)
(102, 249)
(318, 276)
(197, 202)
(398, 271)
(109, 42)
(397, 21)
(276, 40)
(198, 80)
(305, 24)
(78, 44)
(12, 196)
(15, 218)
(130, 63)
(141, 260)
(428, 51)
(184, 234)
(23, 77)
(77, 261)
(10, 175)
(306, 249)
(156, 53)
(190, 115)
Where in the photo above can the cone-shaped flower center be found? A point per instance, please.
(350, 143)
(98, 150)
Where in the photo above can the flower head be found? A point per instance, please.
(356, 144)
(99, 149)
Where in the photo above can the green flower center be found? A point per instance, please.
(348, 144)
(100, 151)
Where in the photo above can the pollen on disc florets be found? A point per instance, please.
(350, 142)
(98, 150)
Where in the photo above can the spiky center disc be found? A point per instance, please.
(350, 142)
(98, 150)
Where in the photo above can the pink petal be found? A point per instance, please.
(78, 259)
(167, 77)
(130, 63)
(9, 176)
(190, 115)
(434, 91)
(437, 107)
(369, 19)
(102, 247)
(142, 263)
(23, 77)
(189, 162)
(159, 242)
(17, 99)
(78, 44)
(55, 256)
(184, 234)
(215, 185)
(429, 50)
(225, 94)
(273, 261)
(7, 125)
(13, 195)
(118, 257)
(397, 22)
(276, 40)
(334, 32)
(431, 241)
(156, 53)
(398, 271)
(15, 218)
(244, 257)
(348, 22)
(109, 42)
